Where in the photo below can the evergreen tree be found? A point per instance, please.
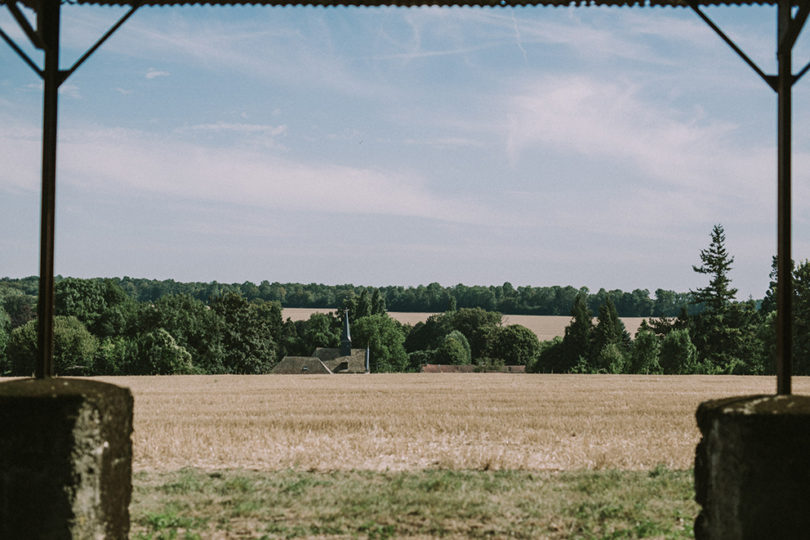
(678, 353)
(801, 319)
(609, 333)
(377, 303)
(716, 262)
(724, 333)
(646, 351)
(577, 340)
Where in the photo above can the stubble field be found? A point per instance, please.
(419, 455)
(545, 327)
(417, 421)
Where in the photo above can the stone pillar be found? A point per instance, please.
(752, 468)
(65, 459)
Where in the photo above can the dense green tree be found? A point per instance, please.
(550, 357)
(194, 326)
(428, 335)
(385, 338)
(377, 303)
(801, 319)
(5, 330)
(73, 352)
(362, 307)
(769, 301)
(157, 353)
(320, 330)
(455, 349)
(513, 344)
(89, 300)
(645, 353)
(576, 343)
(609, 330)
(678, 353)
(476, 324)
(114, 356)
(250, 333)
(21, 308)
(611, 359)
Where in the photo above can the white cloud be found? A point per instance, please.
(612, 120)
(122, 160)
(239, 128)
(70, 90)
(153, 73)
(20, 154)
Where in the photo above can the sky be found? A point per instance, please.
(589, 147)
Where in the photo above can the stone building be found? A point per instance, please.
(326, 360)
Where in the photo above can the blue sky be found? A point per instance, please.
(592, 147)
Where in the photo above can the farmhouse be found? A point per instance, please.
(326, 360)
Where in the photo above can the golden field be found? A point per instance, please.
(424, 421)
(544, 326)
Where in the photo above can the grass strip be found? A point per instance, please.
(194, 503)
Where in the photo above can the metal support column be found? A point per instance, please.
(48, 28)
(784, 288)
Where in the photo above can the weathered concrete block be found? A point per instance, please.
(752, 468)
(65, 459)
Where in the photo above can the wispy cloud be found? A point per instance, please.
(118, 159)
(238, 128)
(153, 73)
(613, 121)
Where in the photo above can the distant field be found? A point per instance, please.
(424, 421)
(544, 326)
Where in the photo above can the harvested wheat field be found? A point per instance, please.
(545, 327)
(417, 421)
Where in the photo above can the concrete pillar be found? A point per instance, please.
(752, 468)
(65, 459)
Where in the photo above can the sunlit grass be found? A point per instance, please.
(191, 503)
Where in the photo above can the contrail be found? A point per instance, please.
(517, 37)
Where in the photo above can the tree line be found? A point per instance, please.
(127, 326)
(724, 336)
(432, 298)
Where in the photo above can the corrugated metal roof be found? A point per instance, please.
(415, 3)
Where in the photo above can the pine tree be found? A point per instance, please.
(577, 340)
(716, 262)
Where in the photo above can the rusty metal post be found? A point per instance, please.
(48, 27)
(784, 288)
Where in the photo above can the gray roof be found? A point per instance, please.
(296, 365)
(331, 358)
